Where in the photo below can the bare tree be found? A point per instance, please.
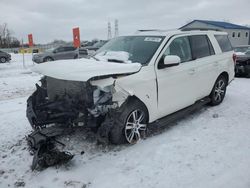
(6, 38)
(3, 28)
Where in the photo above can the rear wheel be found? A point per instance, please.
(219, 90)
(47, 59)
(131, 124)
(3, 60)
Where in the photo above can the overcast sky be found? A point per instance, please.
(54, 19)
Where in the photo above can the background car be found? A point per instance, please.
(62, 52)
(92, 49)
(83, 53)
(4, 57)
(242, 67)
(242, 49)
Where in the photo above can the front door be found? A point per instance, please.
(176, 85)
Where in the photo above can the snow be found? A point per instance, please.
(117, 55)
(209, 148)
(83, 69)
(17, 80)
(240, 53)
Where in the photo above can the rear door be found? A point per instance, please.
(59, 53)
(225, 55)
(206, 64)
(70, 52)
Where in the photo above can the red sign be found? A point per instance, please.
(76, 37)
(30, 38)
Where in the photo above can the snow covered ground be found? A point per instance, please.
(210, 148)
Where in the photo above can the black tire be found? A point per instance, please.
(219, 91)
(120, 131)
(47, 59)
(3, 59)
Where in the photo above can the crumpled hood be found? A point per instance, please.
(83, 69)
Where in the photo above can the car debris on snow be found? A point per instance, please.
(42, 146)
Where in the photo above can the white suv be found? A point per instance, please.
(134, 81)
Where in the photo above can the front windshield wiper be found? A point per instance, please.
(94, 58)
(116, 60)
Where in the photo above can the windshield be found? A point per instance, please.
(241, 49)
(130, 49)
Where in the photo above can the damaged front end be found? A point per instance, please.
(55, 102)
(64, 104)
(71, 103)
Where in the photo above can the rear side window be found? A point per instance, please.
(201, 46)
(69, 48)
(60, 49)
(224, 43)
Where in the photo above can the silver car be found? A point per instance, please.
(62, 52)
(4, 57)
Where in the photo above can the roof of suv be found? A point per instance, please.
(157, 32)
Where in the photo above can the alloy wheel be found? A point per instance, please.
(2, 60)
(219, 90)
(136, 126)
(48, 59)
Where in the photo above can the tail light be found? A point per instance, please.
(234, 58)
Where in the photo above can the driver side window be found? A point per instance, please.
(60, 49)
(180, 47)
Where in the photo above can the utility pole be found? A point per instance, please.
(116, 28)
(109, 31)
(23, 55)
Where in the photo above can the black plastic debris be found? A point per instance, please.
(42, 145)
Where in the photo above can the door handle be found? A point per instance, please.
(191, 71)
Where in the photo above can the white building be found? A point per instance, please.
(238, 35)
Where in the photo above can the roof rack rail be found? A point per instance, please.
(147, 30)
(199, 29)
(156, 30)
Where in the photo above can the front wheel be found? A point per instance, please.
(3, 60)
(131, 124)
(47, 59)
(219, 91)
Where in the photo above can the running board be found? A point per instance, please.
(180, 114)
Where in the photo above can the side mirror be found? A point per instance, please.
(171, 60)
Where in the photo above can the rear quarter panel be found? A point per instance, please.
(225, 59)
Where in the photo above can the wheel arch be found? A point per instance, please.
(133, 98)
(4, 58)
(48, 57)
(225, 75)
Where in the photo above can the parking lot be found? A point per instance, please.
(209, 148)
